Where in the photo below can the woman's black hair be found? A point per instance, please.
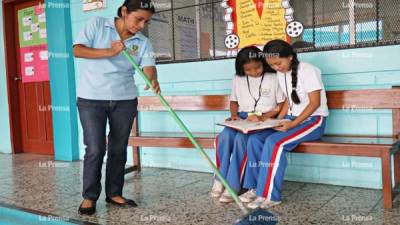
(248, 54)
(280, 48)
(134, 5)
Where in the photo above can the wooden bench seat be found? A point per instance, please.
(344, 145)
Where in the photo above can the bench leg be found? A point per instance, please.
(396, 171)
(136, 152)
(386, 180)
(136, 159)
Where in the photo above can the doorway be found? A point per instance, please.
(27, 77)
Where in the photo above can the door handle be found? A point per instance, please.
(17, 78)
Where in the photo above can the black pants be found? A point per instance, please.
(93, 116)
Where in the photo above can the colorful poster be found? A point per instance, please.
(255, 22)
(34, 63)
(32, 26)
(33, 44)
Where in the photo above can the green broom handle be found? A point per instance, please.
(187, 132)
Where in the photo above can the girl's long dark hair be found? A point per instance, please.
(280, 48)
(134, 5)
(248, 54)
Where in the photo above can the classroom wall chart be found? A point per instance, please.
(89, 5)
(255, 22)
(33, 44)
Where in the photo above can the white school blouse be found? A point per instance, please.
(308, 80)
(271, 93)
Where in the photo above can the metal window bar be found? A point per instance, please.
(329, 30)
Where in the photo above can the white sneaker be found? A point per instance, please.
(263, 203)
(217, 189)
(256, 203)
(249, 196)
(226, 197)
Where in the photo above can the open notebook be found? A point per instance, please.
(247, 126)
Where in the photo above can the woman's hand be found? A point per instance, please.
(156, 87)
(253, 118)
(233, 117)
(116, 48)
(284, 126)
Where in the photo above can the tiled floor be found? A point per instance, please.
(178, 197)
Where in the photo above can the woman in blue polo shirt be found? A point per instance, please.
(107, 92)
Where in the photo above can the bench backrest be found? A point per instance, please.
(345, 99)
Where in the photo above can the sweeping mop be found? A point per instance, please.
(256, 217)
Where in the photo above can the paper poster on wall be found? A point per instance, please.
(255, 22)
(29, 26)
(43, 33)
(188, 43)
(33, 44)
(27, 21)
(28, 57)
(42, 18)
(89, 5)
(186, 34)
(161, 31)
(34, 63)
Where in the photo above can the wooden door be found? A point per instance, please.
(32, 124)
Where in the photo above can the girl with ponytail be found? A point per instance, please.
(107, 94)
(306, 111)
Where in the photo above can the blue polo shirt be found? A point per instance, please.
(110, 78)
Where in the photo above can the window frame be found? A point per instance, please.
(213, 3)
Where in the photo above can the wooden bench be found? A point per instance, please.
(382, 147)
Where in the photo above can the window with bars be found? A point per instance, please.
(194, 30)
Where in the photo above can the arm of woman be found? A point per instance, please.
(151, 73)
(273, 112)
(234, 108)
(82, 51)
(284, 109)
(315, 102)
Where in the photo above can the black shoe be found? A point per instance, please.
(87, 211)
(127, 203)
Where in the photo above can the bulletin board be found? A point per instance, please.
(33, 44)
(255, 22)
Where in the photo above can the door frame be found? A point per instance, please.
(10, 38)
(62, 89)
(11, 73)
